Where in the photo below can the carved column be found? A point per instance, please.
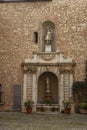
(66, 82)
(34, 92)
(71, 82)
(29, 85)
(61, 92)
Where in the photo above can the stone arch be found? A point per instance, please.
(51, 71)
(42, 87)
(51, 25)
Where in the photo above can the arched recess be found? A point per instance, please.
(45, 25)
(42, 87)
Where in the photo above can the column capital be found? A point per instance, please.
(70, 71)
(27, 68)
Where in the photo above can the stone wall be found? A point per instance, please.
(19, 21)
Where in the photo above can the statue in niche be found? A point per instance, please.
(47, 84)
(48, 37)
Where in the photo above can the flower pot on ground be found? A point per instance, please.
(28, 105)
(67, 107)
(29, 110)
(67, 110)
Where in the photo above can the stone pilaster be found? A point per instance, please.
(71, 82)
(61, 92)
(29, 85)
(66, 82)
(34, 92)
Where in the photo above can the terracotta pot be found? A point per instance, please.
(67, 110)
(29, 110)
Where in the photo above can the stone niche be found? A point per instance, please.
(48, 36)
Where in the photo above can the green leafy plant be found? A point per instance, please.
(29, 103)
(48, 102)
(79, 85)
(67, 104)
(83, 105)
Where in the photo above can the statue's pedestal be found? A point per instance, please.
(48, 96)
(48, 48)
(47, 108)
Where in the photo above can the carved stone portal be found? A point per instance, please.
(47, 64)
(48, 76)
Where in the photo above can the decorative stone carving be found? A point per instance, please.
(66, 71)
(50, 62)
(27, 68)
(48, 56)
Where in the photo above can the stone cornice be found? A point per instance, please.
(32, 67)
(48, 64)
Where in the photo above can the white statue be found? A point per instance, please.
(47, 84)
(48, 37)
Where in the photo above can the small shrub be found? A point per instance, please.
(83, 106)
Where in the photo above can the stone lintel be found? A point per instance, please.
(32, 67)
(48, 64)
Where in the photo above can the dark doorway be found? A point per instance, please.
(17, 97)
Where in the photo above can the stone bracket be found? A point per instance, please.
(26, 68)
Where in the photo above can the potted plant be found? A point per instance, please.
(48, 102)
(83, 108)
(67, 107)
(79, 90)
(28, 105)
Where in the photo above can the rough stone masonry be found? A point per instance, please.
(19, 21)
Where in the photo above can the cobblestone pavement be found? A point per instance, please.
(22, 121)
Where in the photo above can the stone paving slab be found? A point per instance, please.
(22, 121)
